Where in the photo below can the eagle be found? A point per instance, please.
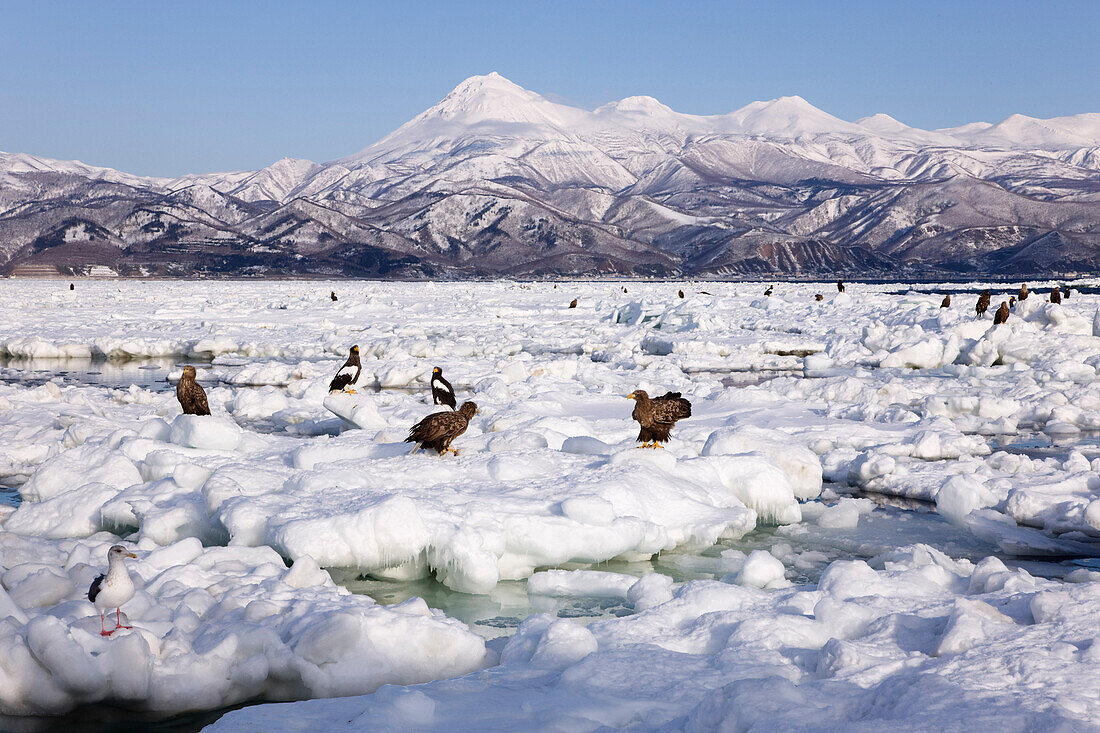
(1065, 291)
(573, 303)
(1023, 292)
(681, 293)
(840, 286)
(192, 397)
(72, 287)
(983, 303)
(442, 391)
(946, 302)
(1001, 315)
(332, 294)
(437, 430)
(1055, 295)
(348, 374)
(657, 416)
(819, 297)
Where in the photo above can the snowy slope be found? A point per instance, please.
(705, 194)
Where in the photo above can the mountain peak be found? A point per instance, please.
(788, 116)
(488, 97)
(640, 103)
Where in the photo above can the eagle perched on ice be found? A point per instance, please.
(442, 391)
(658, 415)
(437, 430)
(348, 374)
(191, 395)
(1001, 315)
(983, 303)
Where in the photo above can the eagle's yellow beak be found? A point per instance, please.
(632, 395)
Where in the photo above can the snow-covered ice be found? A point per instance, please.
(876, 390)
(920, 642)
(212, 626)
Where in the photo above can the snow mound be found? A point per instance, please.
(865, 648)
(211, 627)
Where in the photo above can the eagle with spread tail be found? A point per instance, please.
(191, 396)
(348, 374)
(437, 430)
(657, 415)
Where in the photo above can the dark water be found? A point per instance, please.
(146, 373)
(1035, 444)
(109, 719)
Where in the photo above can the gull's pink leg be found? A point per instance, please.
(103, 631)
(118, 621)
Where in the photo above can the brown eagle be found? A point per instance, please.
(573, 303)
(681, 293)
(192, 397)
(946, 302)
(983, 303)
(819, 297)
(657, 416)
(840, 286)
(332, 294)
(437, 430)
(1001, 315)
(1056, 295)
(1023, 292)
(348, 374)
(442, 391)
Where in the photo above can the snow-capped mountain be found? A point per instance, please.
(498, 180)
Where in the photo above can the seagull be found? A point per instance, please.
(113, 589)
(442, 391)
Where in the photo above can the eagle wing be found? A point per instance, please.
(670, 407)
(437, 427)
(201, 406)
(443, 393)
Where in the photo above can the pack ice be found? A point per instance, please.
(919, 642)
(875, 389)
(212, 626)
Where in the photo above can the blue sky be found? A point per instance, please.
(170, 88)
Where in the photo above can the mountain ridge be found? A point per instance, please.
(497, 180)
